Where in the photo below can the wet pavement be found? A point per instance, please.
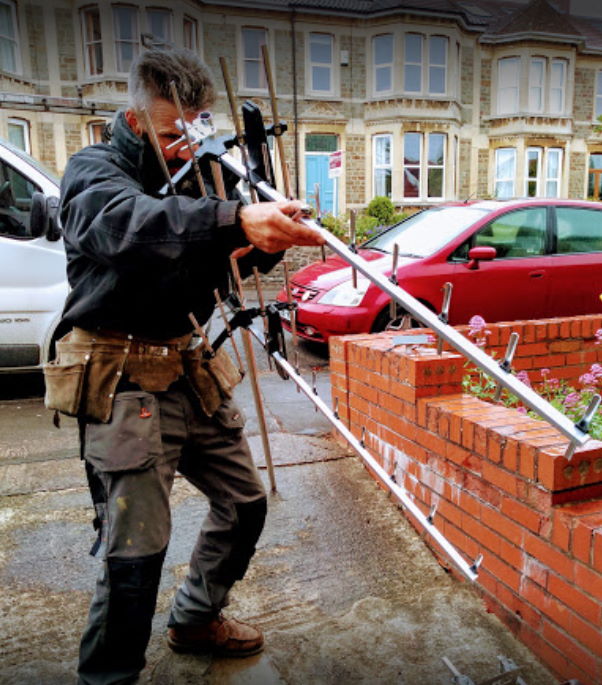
(344, 589)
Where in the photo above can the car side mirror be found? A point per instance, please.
(43, 219)
(481, 253)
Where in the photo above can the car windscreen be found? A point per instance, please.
(422, 234)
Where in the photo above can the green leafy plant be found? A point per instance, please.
(382, 209)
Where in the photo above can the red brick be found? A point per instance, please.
(500, 478)
(521, 514)
(571, 649)
(582, 541)
(575, 599)
(550, 556)
(501, 524)
(561, 531)
(589, 580)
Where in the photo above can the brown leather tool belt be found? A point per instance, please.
(83, 379)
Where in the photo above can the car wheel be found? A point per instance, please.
(383, 321)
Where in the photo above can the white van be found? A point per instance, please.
(33, 281)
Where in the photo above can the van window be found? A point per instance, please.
(16, 191)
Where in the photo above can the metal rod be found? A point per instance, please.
(352, 245)
(237, 127)
(444, 315)
(253, 374)
(218, 180)
(291, 302)
(421, 313)
(319, 215)
(393, 279)
(148, 122)
(397, 490)
(267, 162)
(505, 364)
(261, 300)
(200, 331)
(279, 142)
(195, 164)
(222, 311)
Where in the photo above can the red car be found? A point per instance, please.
(520, 259)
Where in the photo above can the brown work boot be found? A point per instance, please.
(223, 636)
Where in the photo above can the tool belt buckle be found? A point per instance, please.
(158, 350)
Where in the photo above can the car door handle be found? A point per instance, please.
(536, 274)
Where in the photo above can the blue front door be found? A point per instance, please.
(316, 171)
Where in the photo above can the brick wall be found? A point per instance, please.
(66, 44)
(583, 103)
(577, 174)
(37, 41)
(499, 478)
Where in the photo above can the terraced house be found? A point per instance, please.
(428, 100)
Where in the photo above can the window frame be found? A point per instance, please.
(546, 176)
(193, 44)
(322, 65)
(541, 87)
(537, 179)
(426, 65)
(501, 179)
(117, 40)
(169, 15)
(13, 39)
(25, 126)
(407, 63)
(87, 43)
(431, 65)
(564, 63)
(382, 167)
(424, 166)
(384, 65)
(429, 166)
(263, 85)
(504, 89)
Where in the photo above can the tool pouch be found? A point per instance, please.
(82, 380)
(212, 380)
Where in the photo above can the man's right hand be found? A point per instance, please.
(269, 227)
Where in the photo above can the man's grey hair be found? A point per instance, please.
(152, 72)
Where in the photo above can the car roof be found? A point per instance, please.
(29, 160)
(493, 205)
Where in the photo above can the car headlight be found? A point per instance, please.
(345, 295)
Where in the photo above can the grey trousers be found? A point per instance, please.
(131, 463)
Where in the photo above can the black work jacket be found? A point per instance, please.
(138, 262)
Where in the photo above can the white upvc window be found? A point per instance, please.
(505, 173)
(158, 22)
(553, 170)
(537, 79)
(558, 70)
(321, 49)
(381, 155)
(382, 51)
(507, 85)
(127, 36)
(598, 103)
(92, 40)
(191, 33)
(424, 165)
(533, 168)
(18, 133)
(10, 54)
(253, 71)
(425, 64)
(437, 84)
(412, 66)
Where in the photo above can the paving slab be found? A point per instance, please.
(344, 588)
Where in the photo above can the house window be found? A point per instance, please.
(537, 71)
(253, 72)
(412, 68)
(382, 164)
(383, 63)
(96, 132)
(191, 32)
(533, 171)
(505, 172)
(424, 171)
(126, 36)
(598, 106)
(437, 65)
(557, 85)
(18, 134)
(159, 26)
(553, 169)
(92, 41)
(9, 45)
(320, 62)
(594, 180)
(507, 90)
(435, 164)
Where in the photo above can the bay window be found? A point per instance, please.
(424, 165)
(505, 173)
(9, 38)
(508, 80)
(191, 32)
(92, 41)
(382, 50)
(159, 26)
(127, 43)
(382, 164)
(425, 64)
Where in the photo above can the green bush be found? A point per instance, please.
(382, 209)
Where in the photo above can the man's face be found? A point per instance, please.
(163, 115)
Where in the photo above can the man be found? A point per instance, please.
(148, 403)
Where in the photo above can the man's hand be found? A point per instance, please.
(268, 226)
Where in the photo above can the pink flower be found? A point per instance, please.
(588, 379)
(522, 410)
(553, 383)
(598, 335)
(571, 399)
(477, 324)
(545, 372)
(523, 376)
(596, 369)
